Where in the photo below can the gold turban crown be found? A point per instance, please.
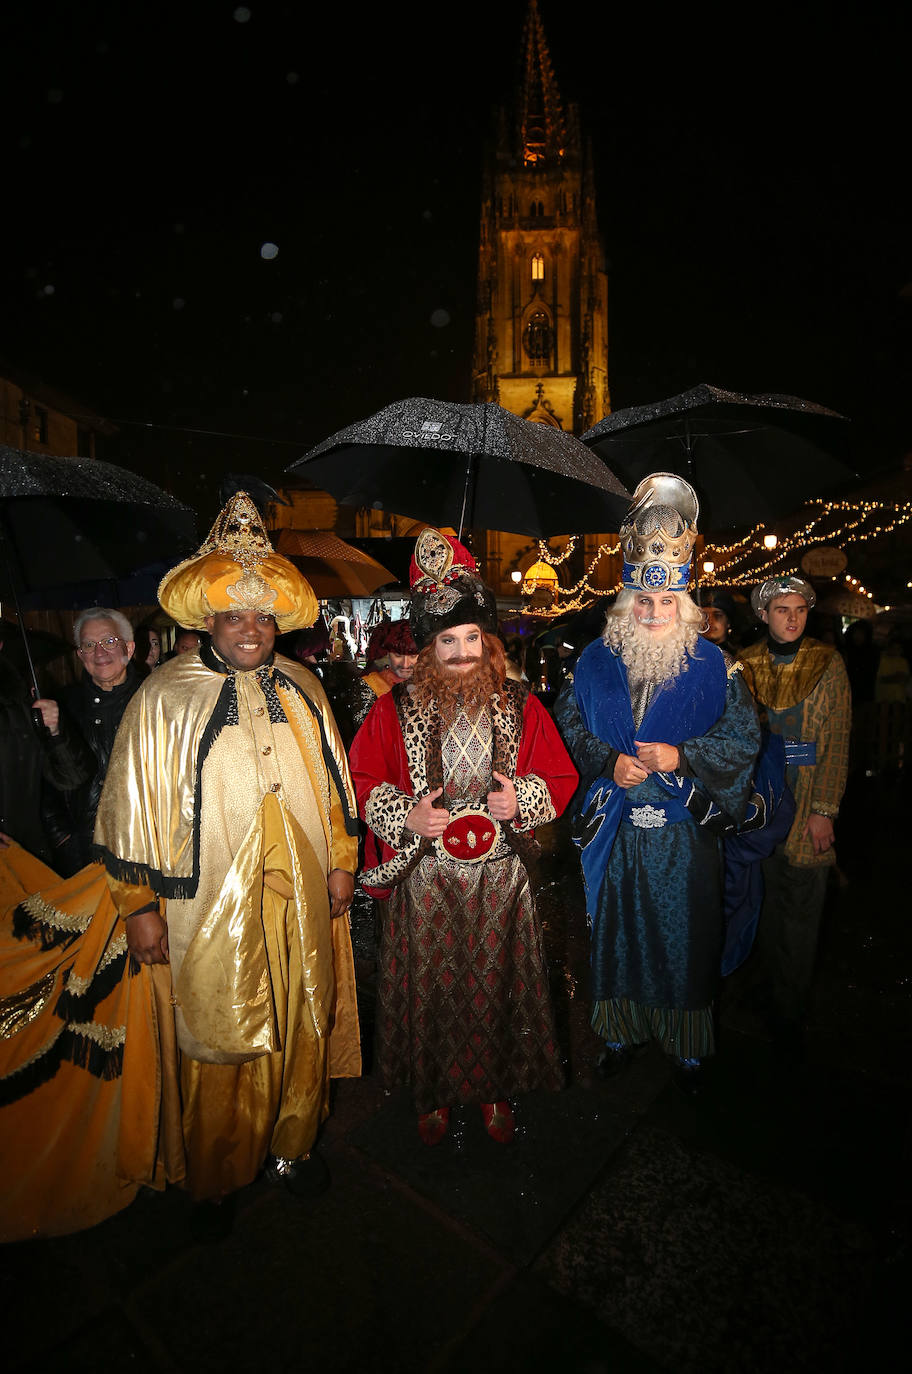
(237, 569)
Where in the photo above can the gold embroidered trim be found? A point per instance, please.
(45, 1048)
(252, 593)
(307, 733)
(78, 987)
(108, 1037)
(21, 1008)
(49, 915)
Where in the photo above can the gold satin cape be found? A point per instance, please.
(241, 844)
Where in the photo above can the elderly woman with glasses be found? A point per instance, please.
(95, 704)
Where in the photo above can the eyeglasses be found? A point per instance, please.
(92, 644)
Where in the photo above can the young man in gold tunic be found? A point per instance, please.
(802, 692)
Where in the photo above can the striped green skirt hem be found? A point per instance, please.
(686, 1034)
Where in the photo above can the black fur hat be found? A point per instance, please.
(446, 588)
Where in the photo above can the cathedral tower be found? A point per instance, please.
(541, 333)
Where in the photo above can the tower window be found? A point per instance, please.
(538, 336)
(538, 267)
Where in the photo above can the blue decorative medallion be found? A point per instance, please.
(655, 577)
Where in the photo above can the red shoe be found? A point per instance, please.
(499, 1121)
(433, 1126)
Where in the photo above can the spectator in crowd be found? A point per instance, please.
(95, 704)
(515, 658)
(719, 611)
(188, 642)
(148, 651)
(391, 658)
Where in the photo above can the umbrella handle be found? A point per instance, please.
(468, 476)
(38, 724)
(465, 496)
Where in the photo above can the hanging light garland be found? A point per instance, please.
(752, 558)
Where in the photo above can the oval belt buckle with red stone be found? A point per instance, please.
(469, 837)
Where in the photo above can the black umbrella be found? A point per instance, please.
(752, 459)
(43, 646)
(467, 465)
(76, 520)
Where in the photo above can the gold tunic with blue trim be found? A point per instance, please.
(222, 782)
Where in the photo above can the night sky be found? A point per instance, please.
(752, 195)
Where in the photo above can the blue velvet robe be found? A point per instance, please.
(654, 895)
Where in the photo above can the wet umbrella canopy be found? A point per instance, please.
(66, 520)
(72, 520)
(468, 465)
(752, 459)
(332, 567)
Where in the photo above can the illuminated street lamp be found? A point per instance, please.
(770, 541)
(539, 576)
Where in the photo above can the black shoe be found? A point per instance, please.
(615, 1059)
(305, 1178)
(212, 1221)
(688, 1076)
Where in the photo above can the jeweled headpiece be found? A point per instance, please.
(659, 533)
(446, 588)
(237, 569)
(765, 592)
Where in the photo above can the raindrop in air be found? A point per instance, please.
(440, 319)
(178, 303)
(269, 251)
(241, 14)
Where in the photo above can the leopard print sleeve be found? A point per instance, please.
(535, 804)
(386, 811)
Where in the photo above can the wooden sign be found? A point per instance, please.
(823, 562)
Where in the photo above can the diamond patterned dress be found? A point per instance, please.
(463, 1008)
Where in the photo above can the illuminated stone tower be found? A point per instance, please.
(541, 334)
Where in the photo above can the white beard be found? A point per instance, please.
(651, 659)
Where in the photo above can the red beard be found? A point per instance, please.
(453, 690)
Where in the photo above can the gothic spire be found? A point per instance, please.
(541, 124)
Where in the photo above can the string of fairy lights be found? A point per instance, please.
(757, 555)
